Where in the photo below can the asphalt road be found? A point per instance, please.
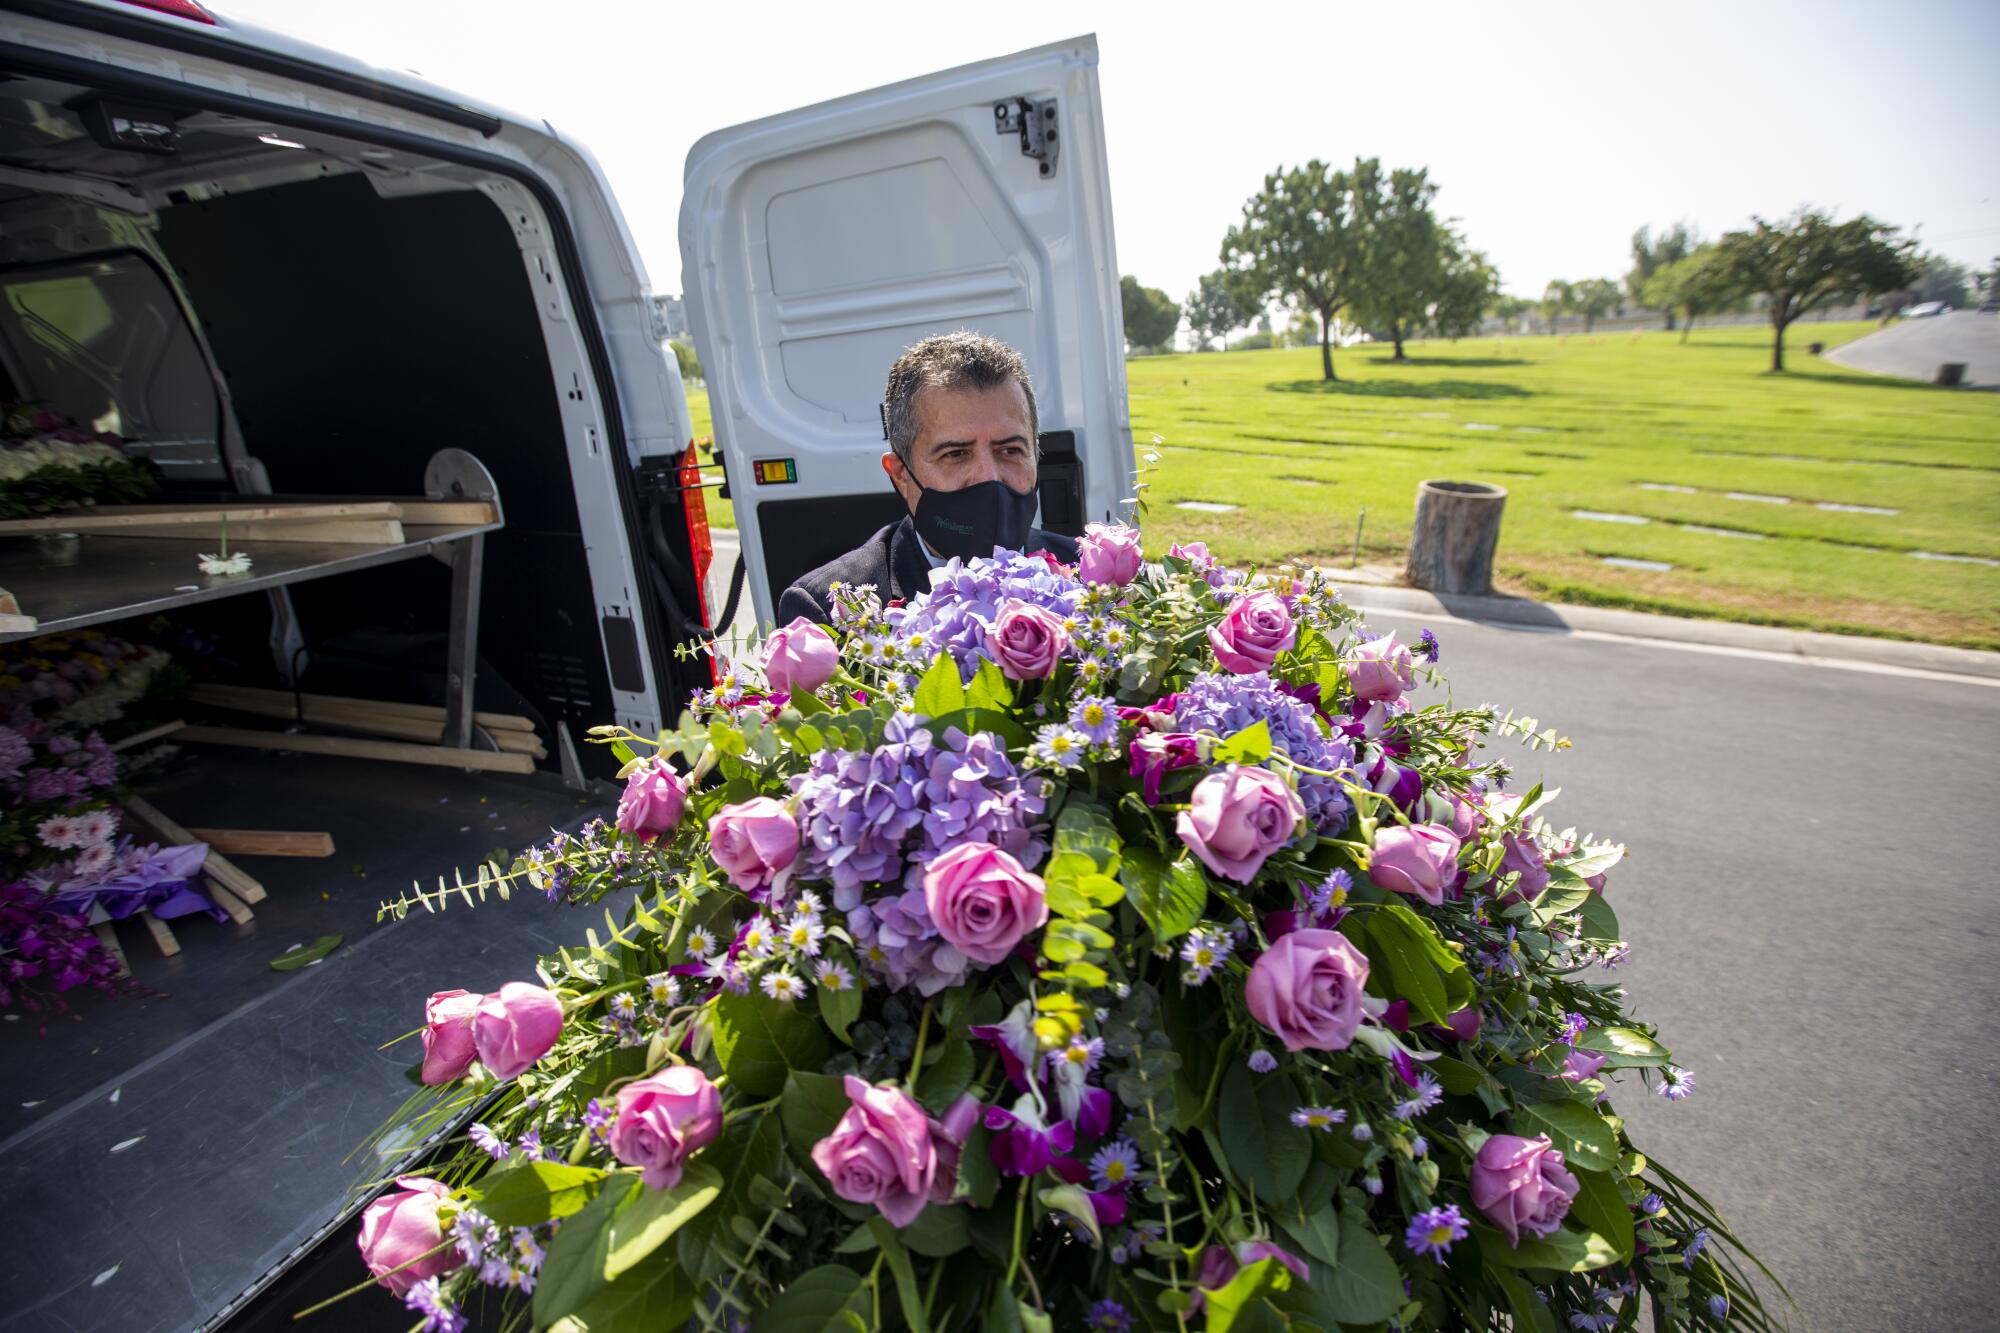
(1810, 899)
(1915, 348)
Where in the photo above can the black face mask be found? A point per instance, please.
(971, 521)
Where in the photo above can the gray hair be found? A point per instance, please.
(962, 360)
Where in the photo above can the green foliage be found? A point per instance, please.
(1650, 254)
(649, 1217)
(1302, 241)
(1253, 1119)
(535, 1192)
(817, 1301)
(685, 358)
(1150, 315)
(1807, 259)
(1212, 310)
(1170, 896)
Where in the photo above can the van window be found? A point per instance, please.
(104, 342)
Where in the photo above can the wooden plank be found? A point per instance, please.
(121, 519)
(244, 885)
(264, 842)
(238, 910)
(399, 752)
(241, 696)
(163, 935)
(391, 725)
(448, 513)
(12, 624)
(149, 734)
(341, 531)
(108, 938)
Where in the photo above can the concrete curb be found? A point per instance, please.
(1553, 618)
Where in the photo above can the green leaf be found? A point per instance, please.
(940, 691)
(808, 703)
(1073, 1200)
(534, 1192)
(573, 1269)
(1455, 1076)
(626, 754)
(1317, 1234)
(939, 1084)
(816, 1301)
(1566, 1251)
(311, 953)
(1600, 923)
(1415, 962)
(1252, 745)
(938, 1232)
(973, 721)
(811, 1106)
(645, 1221)
(907, 1291)
(1228, 1304)
(1585, 1139)
(758, 1040)
(990, 688)
(841, 1007)
(1367, 1287)
(644, 1300)
(1170, 898)
(747, 1150)
(1596, 860)
(1600, 1206)
(1266, 1151)
(1531, 1312)
(1628, 1048)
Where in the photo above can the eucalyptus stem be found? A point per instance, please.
(1166, 1210)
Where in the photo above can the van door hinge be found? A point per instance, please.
(1035, 122)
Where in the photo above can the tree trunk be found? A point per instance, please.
(1453, 536)
(1670, 319)
(1777, 346)
(1326, 348)
(1688, 327)
(1396, 332)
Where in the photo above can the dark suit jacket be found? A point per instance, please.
(892, 562)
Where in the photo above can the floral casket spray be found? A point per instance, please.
(1110, 947)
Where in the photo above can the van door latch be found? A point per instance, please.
(1035, 122)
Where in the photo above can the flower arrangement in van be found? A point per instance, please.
(1107, 947)
(48, 462)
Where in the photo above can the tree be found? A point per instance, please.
(1150, 317)
(1594, 298)
(1404, 249)
(1303, 331)
(1700, 284)
(1511, 308)
(1469, 288)
(1212, 311)
(1807, 259)
(1649, 256)
(1938, 279)
(1300, 241)
(1557, 299)
(685, 358)
(1989, 281)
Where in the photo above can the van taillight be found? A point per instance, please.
(695, 506)
(180, 9)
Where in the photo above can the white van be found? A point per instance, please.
(291, 275)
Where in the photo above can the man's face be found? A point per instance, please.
(964, 437)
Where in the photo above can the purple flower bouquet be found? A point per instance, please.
(1111, 947)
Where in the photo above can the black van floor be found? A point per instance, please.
(163, 1151)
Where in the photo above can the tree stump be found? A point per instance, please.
(1453, 536)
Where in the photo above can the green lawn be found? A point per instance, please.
(1578, 424)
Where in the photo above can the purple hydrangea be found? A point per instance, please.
(899, 943)
(1226, 704)
(965, 598)
(971, 792)
(855, 810)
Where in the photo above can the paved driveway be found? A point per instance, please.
(1915, 348)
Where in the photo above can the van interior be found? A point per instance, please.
(281, 313)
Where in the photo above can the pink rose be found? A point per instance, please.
(1466, 818)
(1256, 629)
(515, 1027)
(399, 1227)
(654, 798)
(1027, 641)
(1522, 1185)
(753, 841)
(663, 1120)
(1524, 854)
(1382, 669)
(948, 1137)
(801, 656)
(1108, 553)
(1306, 988)
(1236, 818)
(448, 1050)
(1580, 1065)
(982, 901)
(880, 1152)
(1421, 860)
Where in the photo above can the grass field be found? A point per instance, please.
(1593, 424)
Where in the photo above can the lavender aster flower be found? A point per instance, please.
(1428, 1094)
(1652, 1205)
(1262, 1061)
(1675, 1083)
(1427, 646)
(1204, 951)
(1329, 893)
(530, 1145)
(1573, 1025)
(1696, 1244)
(1718, 1305)
(1108, 1316)
(440, 1315)
(1115, 1165)
(1058, 746)
(487, 1141)
(1433, 1230)
(1322, 1118)
(1097, 718)
(1598, 1321)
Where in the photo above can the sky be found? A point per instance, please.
(1553, 130)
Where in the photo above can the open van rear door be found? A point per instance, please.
(816, 245)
